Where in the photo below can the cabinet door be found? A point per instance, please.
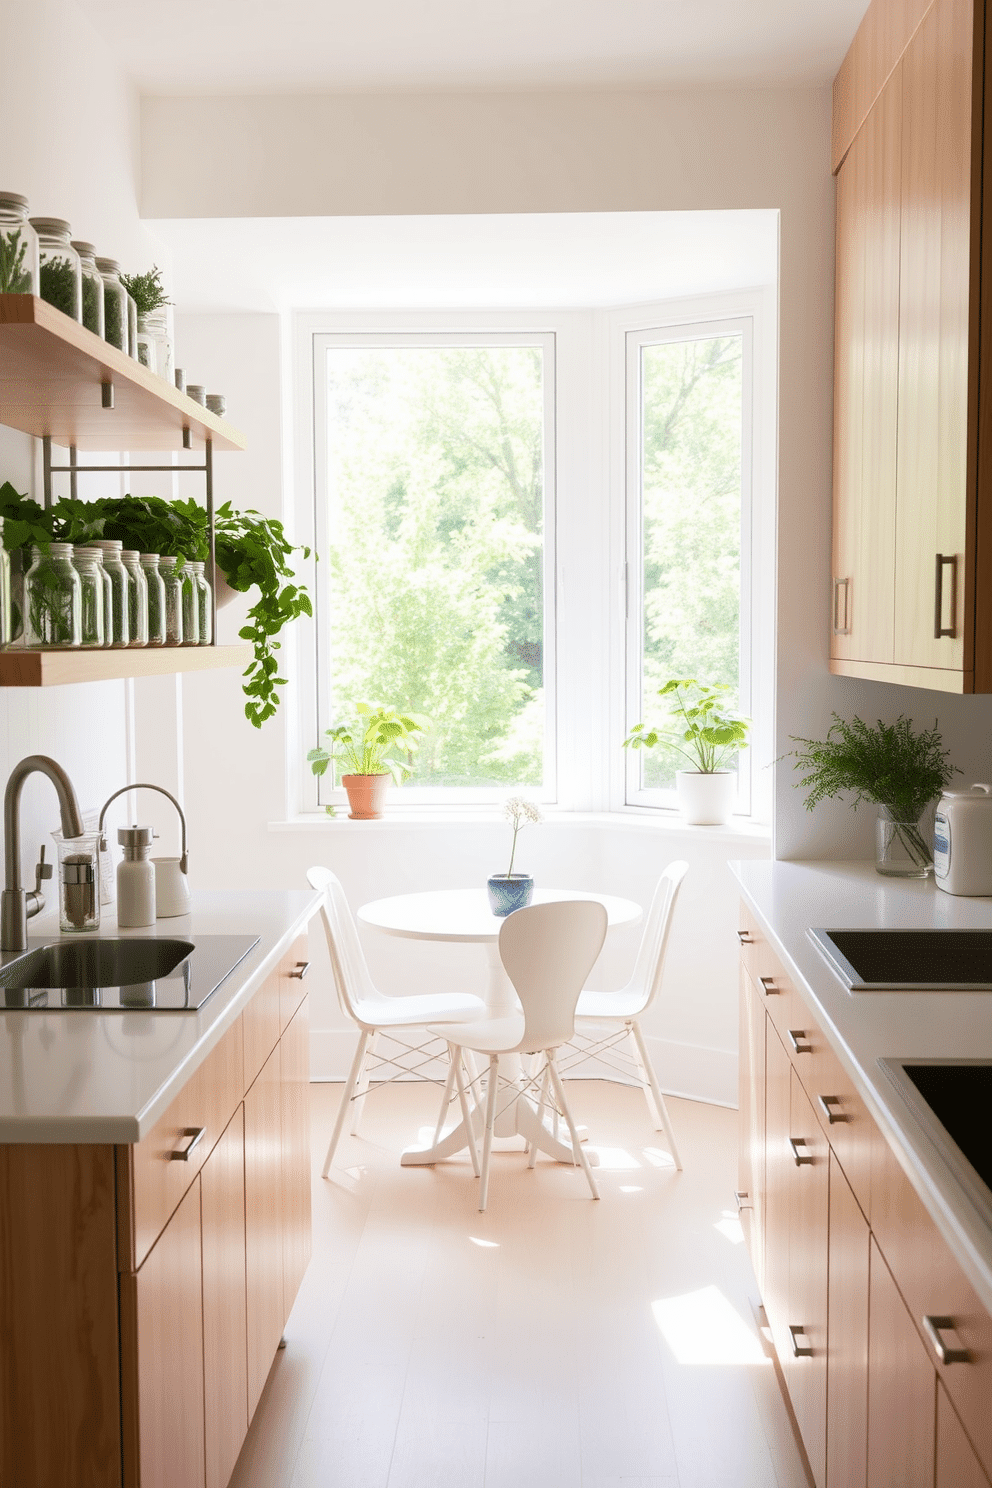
(866, 373)
(901, 1389)
(847, 1337)
(162, 1358)
(805, 1365)
(751, 1102)
(936, 256)
(263, 1224)
(778, 1183)
(225, 1329)
(294, 1069)
(957, 1464)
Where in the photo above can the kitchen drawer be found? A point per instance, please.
(262, 1021)
(151, 1179)
(766, 972)
(839, 1109)
(292, 987)
(934, 1286)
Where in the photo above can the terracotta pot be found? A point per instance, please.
(366, 794)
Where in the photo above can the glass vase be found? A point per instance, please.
(902, 849)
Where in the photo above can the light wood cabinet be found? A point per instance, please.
(901, 1389)
(847, 1337)
(294, 1086)
(751, 1184)
(225, 1314)
(912, 483)
(263, 1224)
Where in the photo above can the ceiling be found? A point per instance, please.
(576, 259)
(251, 46)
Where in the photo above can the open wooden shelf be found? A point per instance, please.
(52, 372)
(24, 668)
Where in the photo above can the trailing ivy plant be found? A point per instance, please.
(146, 290)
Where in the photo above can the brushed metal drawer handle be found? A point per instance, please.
(799, 1352)
(827, 1102)
(933, 1327)
(302, 967)
(744, 936)
(806, 1159)
(939, 628)
(743, 1199)
(799, 1040)
(768, 986)
(196, 1135)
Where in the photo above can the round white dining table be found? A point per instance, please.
(463, 916)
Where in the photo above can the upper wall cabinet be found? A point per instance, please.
(911, 598)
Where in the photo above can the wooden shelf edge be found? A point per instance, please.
(24, 668)
(933, 678)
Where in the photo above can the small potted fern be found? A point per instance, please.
(371, 752)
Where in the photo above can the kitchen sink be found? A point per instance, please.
(151, 973)
(951, 1099)
(909, 960)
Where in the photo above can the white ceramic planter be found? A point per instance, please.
(706, 800)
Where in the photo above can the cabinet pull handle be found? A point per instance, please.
(844, 629)
(802, 1160)
(743, 1199)
(939, 628)
(933, 1327)
(744, 936)
(799, 1351)
(799, 1041)
(768, 986)
(302, 967)
(196, 1135)
(826, 1102)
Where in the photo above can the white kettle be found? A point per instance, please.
(962, 841)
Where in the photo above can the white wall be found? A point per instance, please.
(69, 127)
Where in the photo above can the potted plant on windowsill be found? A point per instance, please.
(366, 749)
(706, 732)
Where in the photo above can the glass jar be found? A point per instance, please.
(146, 344)
(115, 298)
(79, 884)
(173, 601)
(118, 626)
(204, 605)
(137, 597)
(53, 599)
(6, 621)
(88, 563)
(59, 275)
(903, 849)
(132, 328)
(156, 598)
(191, 606)
(18, 246)
(157, 325)
(93, 312)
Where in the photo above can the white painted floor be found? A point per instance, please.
(553, 1342)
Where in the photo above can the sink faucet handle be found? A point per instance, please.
(42, 870)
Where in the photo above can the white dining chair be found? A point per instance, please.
(607, 1024)
(378, 1016)
(547, 951)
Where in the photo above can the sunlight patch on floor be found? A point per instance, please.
(703, 1328)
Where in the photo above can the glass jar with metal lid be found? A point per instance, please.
(191, 606)
(137, 597)
(173, 580)
(204, 607)
(88, 563)
(118, 625)
(156, 598)
(59, 276)
(18, 246)
(6, 597)
(52, 599)
(115, 298)
(93, 314)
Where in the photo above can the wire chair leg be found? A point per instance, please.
(445, 1098)
(487, 1145)
(456, 1064)
(577, 1150)
(532, 1149)
(358, 1104)
(357, 1066)
(656, 1092)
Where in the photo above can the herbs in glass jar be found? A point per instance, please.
(59, 284)
(15, 270)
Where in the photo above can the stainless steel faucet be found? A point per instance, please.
(17, 907)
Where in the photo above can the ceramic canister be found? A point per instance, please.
(962, 841)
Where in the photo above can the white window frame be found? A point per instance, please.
(323, 793)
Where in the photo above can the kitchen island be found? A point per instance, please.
(154, 1213)
(873, 1258)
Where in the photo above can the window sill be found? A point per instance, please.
(669, 823)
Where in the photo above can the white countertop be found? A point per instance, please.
(108, 1076)
(864, 1027)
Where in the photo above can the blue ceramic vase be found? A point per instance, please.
(509, 891)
